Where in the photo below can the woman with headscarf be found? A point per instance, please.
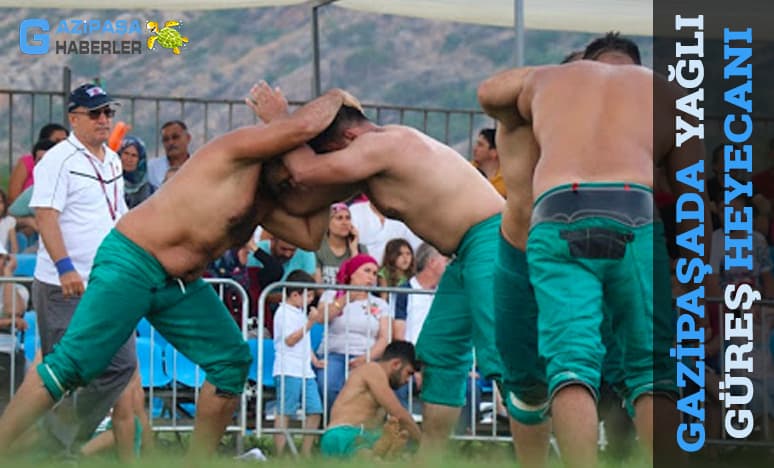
(133, 159)
(358, 326)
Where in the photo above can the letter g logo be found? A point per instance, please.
(38, 44)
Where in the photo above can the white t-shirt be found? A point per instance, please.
(157, 169)
(68, 180)
(416, 311)
(355, 330)
(296, 360)
(6, 224)
(375, 235)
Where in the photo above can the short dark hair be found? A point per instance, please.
(572, 57)
(175, 122)
(404, 351)
(298, 276)
(48, 129)
(612, 41)
(489, 136)
(346, 118)
(42, 145)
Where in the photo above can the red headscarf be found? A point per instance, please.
(350, 266)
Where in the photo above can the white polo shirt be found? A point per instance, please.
(157, 169)
(83, 190)
(296, 360)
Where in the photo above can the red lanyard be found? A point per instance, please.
(112, 208)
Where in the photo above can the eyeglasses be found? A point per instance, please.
(95, 113)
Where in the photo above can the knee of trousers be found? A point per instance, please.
(526, 401)
(228, 374)
(59, 379)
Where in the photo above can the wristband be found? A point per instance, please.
(64, 265)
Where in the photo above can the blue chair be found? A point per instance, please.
(22, 241)
(267, 379)
(25, 264)
(771, 344)
(485, 385)
(145, 360)
(182, 368)
(31, 339)
(316, 335)
(146, 330)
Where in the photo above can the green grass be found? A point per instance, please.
(170, 453)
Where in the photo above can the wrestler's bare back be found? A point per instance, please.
(592, 121)
(428, 185)
(210, 205)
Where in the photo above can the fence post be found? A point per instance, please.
(66, 88)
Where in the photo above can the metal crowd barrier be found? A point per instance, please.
(172, 391)
(491, 433)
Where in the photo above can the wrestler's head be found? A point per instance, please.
(613, 49)
(401, 363)
(348, 125)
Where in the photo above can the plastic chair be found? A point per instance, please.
(267, 379)
(145, 360)
(25, 264)
(485, 385)
(146, 330)
(182, 368)
(31, 338)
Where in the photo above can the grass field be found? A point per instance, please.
(170, 453)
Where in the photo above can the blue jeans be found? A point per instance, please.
(336, 366)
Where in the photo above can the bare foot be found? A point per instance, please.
(398, 444)
(390, 433)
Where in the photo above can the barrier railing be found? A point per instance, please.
(261, 405)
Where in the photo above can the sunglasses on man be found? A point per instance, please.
(95, 113)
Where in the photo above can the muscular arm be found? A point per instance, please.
(305, 232)
(356, 163)
(380, 388)
(302, 200)
(499, 93)
(284, 133)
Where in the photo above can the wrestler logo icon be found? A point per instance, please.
(167, 37)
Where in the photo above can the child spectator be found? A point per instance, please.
(398, 264)
(293, 362)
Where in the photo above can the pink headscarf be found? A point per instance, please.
(350, 266)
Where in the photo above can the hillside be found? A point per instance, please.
(381, 59)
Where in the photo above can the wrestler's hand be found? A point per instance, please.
(267, 103)
(348, 99)
(72, 284)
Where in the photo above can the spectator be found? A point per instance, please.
(175, 139)
(339, 244)
(397, 264)
(487, 161)
(133, 160)
(411, 309)
(78, 197)
(359, 326)
(27, 229)
(294, 360)
(288, 255)
(376, 230)
(170, 172)
(22, 175)
(7, 227)
(13, 303)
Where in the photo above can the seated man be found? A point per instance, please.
(359, 410)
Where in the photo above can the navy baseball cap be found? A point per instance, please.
(89, 96)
